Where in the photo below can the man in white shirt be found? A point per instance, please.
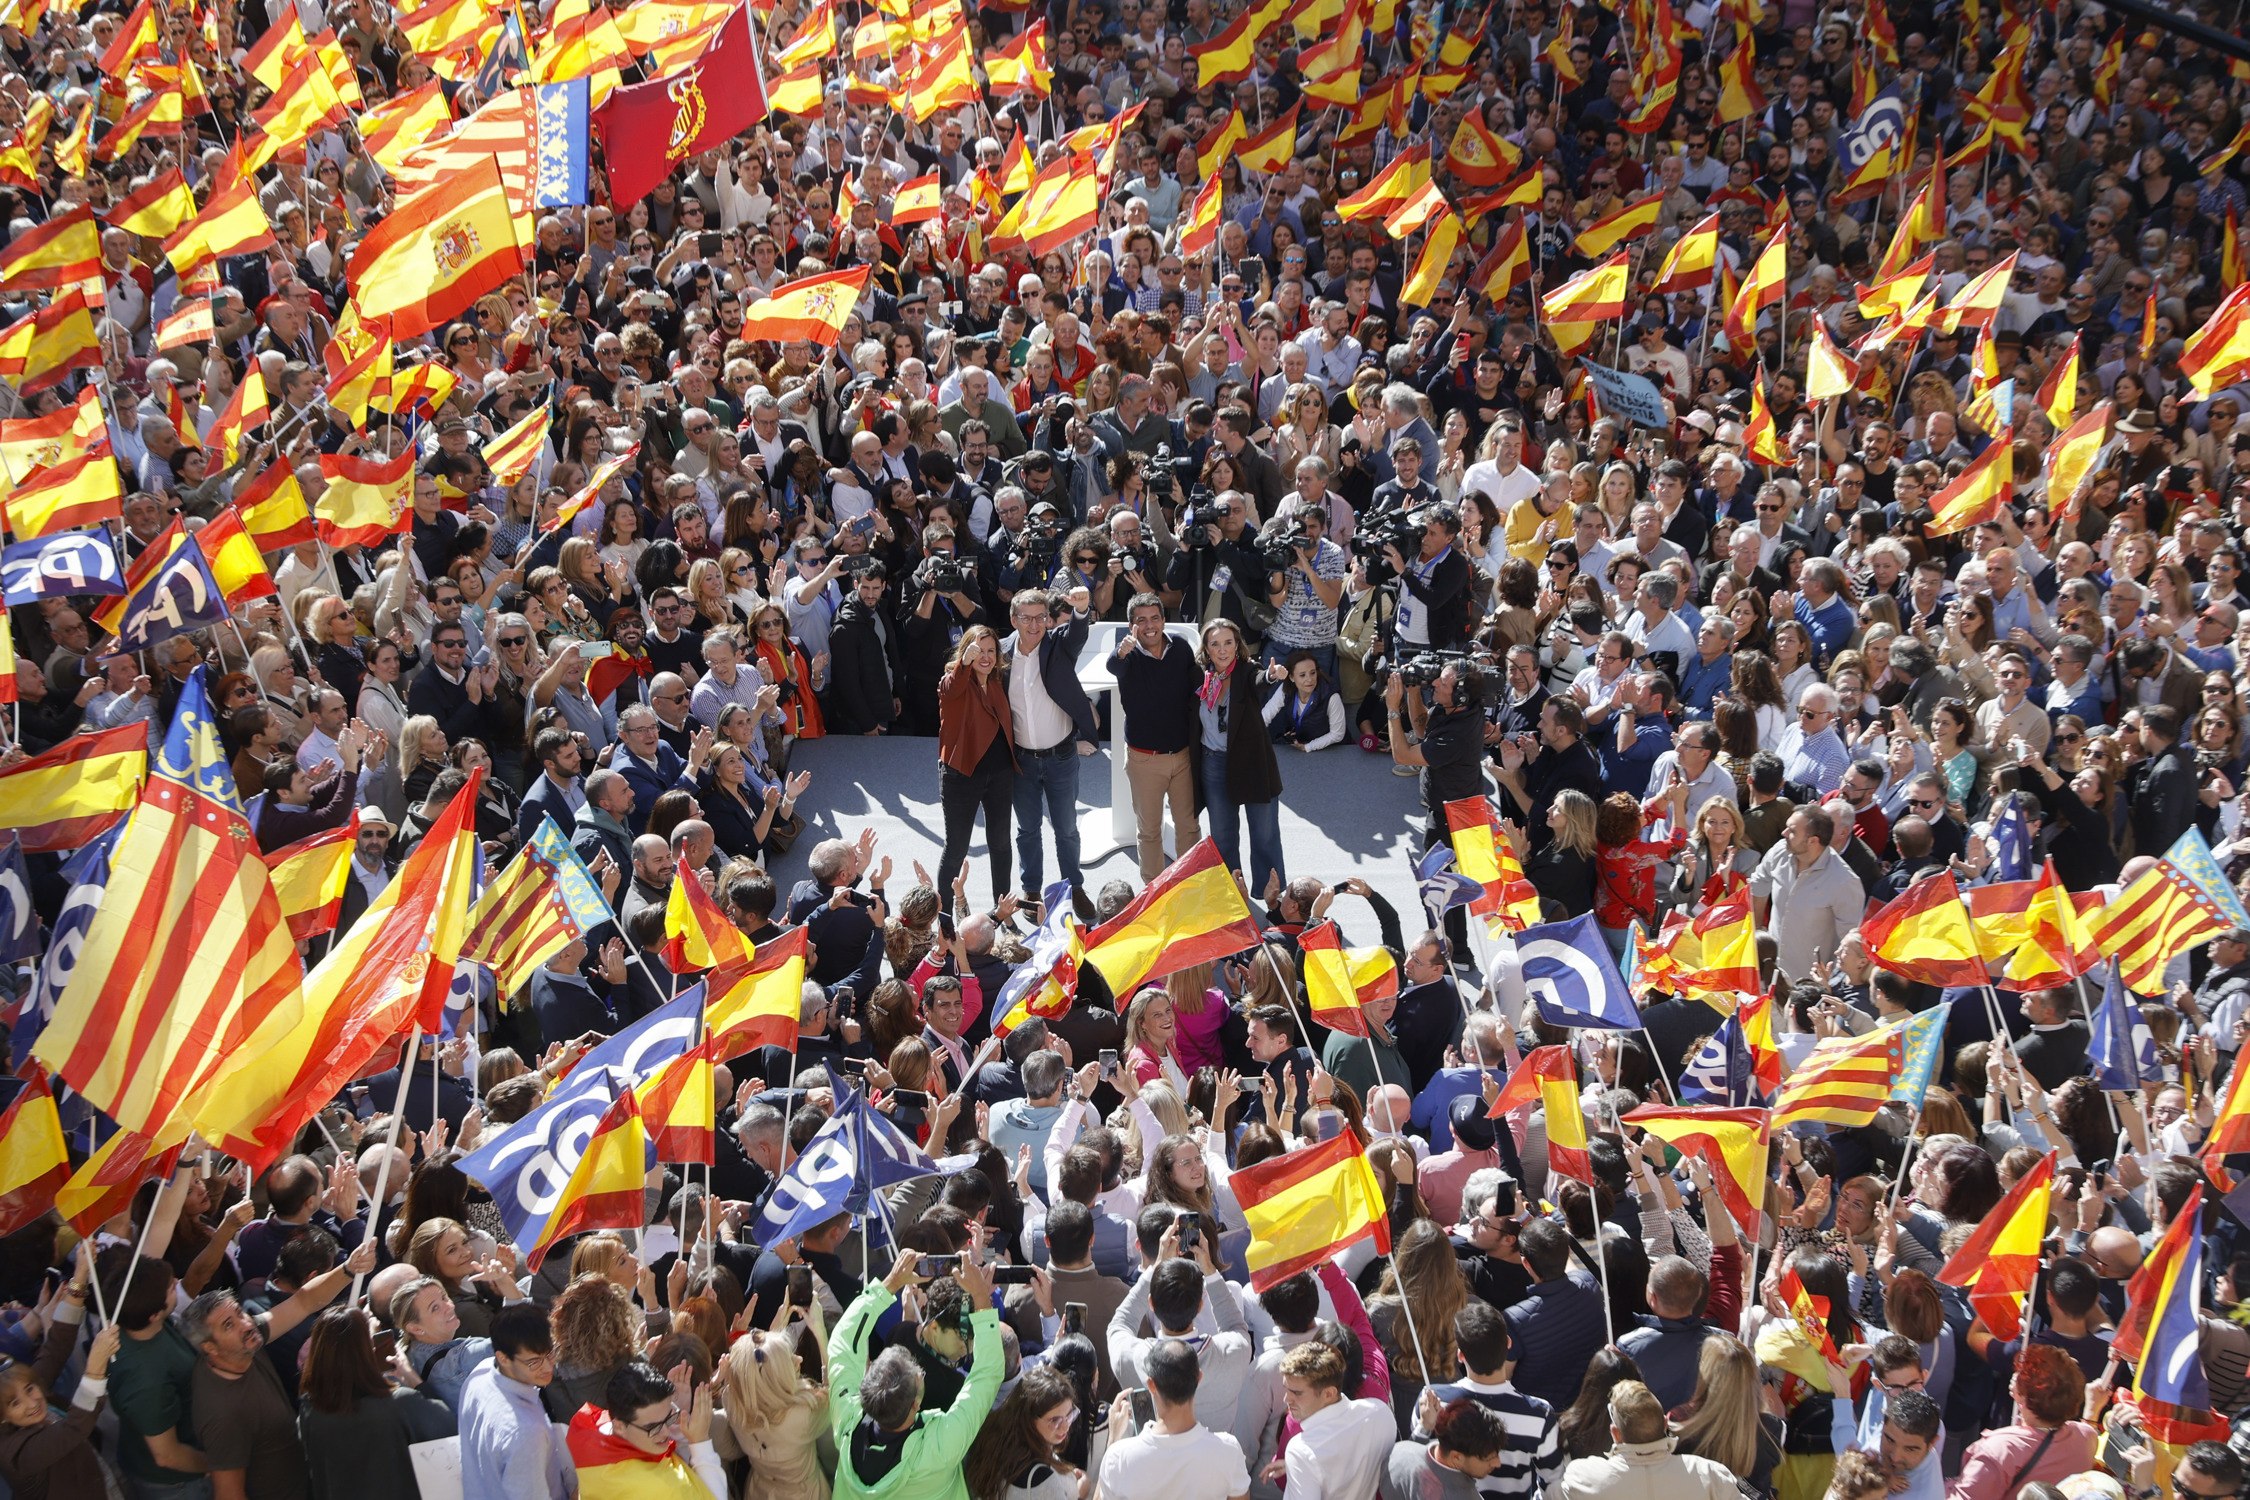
(1502, 478)
(1175, 1456)
(1342, 1444)
(1171, 1294)
(1653, 627)
(811, 598)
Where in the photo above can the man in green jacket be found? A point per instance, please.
(887, 1446)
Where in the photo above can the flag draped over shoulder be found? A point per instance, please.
(189, 953)
(1306, 1207)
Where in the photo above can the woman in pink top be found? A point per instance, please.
(1199, 1014)
(1151, 1037)
(2049, 1440)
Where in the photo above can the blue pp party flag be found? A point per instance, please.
(2011, 843)
(2120, 1045)
(1569, 974)
(1719, 1073)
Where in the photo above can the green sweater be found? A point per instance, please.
(931, 1467)
(1347, 1059)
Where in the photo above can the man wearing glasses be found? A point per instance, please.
(508, 1447)
(1811, 750)
(1900, 1425)
(631, 1434)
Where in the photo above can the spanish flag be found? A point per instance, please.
(1522, 192)
(1693, 259)
(1340, 980)
(388, 974)
(1811, 1314)
(605, 1189)
(1548, 1078)
(697, 935)
(438, 252)
(1766, 283)
(1388, 188)
(1978, 303)
(1508, 264)
(678, 1102)
(1336, 55)
(2034, 932)
(74, 494)
(814, 308)
(40, 350)
(365, 500)
(1307, 1207)
(309, 877)
(1924, 934)
(33, 1160)
(1199, 230)
(797, 91)
(1898, 291)
(1434, 260)
(246, 410)
(156, 208)
(2142, 1293)
(305, 102)
(192, 322)
(1192, 913)
(916, 201)
(1625, 222)
(274, 511)
(1478, 157)
(104, 1184)
(1482, 851)
(1713, 955)
(1020, 65)
(395, 126)
(519, 922)
(2216, 354)
(942, 82)
(1982, 490)
(1418, 209)
(1272, 148)
(2058, 393)
(1759, 435)
(815, 38)
(592, 491)
(1845, 1080)
(1829, 372)
(2070, 458)
(1229, 56)
(2001, 1259)
(59, 252)
(231, 222)
(1595, 295)
(1731, 1142)
(758, 1005)
(1062, 203)
(232, 555)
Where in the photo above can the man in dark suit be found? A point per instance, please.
(1052, 719)
(2164, 789)
(566, 1002)
(866, 663)
(1563, 760)
(458, 696)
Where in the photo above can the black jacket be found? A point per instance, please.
(2163, 799)
(448, 703)
(1058, 670)
(865, 669)
(1445, 595)
(1253, 775)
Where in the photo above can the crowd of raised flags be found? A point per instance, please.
(184, 1001)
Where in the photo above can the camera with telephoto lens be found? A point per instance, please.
(947, 574)
(1042, 536)
(1134, 560)
(1283, 545)
(1202, 510)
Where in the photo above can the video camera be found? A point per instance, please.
(1477, 675)
(1283, 545)
(947, 574)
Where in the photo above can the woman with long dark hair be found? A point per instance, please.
(356, 1429)
(1583, 1428)
(1239, 776)
(1017, 1454)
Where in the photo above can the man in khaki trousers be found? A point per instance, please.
(1156, 684)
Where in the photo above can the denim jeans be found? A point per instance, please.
(1049, 781)
(1226, 825)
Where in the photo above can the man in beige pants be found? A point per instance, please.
(1156, 685)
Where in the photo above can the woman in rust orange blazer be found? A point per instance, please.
(976, 757)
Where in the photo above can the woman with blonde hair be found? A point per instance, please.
(776, 1416)
(1199, 1014)
(1562, 871)
(604, 1253)
(421, 756)
(1716, 858)
(707, 595)
(1151, 1039)
(1725, 1420)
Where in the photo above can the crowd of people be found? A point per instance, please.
(1336, 500)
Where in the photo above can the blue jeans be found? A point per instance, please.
(1226, 825)
(1052, 780)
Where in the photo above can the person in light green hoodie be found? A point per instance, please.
(887, 1446)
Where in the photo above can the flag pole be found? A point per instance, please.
(2086, 1009)
(1289, 996)
(1906, 1160)
(390, 1143)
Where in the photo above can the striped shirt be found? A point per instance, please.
(1531, 1459)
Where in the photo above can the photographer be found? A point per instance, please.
(1449, 751)
(1136, 552)
(943, 604)
(1305, 590)
(1219, 565)
(1433, 603)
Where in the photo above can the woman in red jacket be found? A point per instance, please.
(976, 756)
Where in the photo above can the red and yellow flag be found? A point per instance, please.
(2058, 393)
(605, 1188)
(64, 798)
(1625, 222)
(365, 499)
(1478, 157)
(1199, 230)
(814, 308)
(156, 208)
(438, 252)
(33, 1160)
(1307, 1207)
(1924, 934)
(1272, 148)
(1764, 285)
(1340, 980)
(1547, 1077)
(2001, 1259)
(2070, 459)
(1483, 853)
(1810, 1313)
(1844, 1081)
(1020, 65)
(1731, 1142)
(1191, 913)
(1982, 490)
(309, 877)
(758, 1004)
(274, 511)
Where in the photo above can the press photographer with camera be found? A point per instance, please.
(1218, 570)
(945, 602)
(1449, 749)
(1305, 585)
(1433, 601)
